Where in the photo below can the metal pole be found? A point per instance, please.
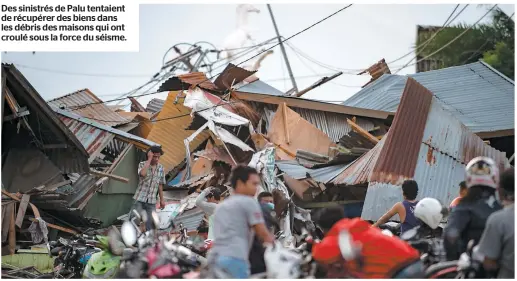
(283, 49)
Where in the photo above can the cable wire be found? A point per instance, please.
(208, 79)
(450, 42)
(426, 43)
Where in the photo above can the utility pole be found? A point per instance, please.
(283, 50)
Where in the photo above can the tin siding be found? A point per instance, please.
(398, 157)
(334, 125)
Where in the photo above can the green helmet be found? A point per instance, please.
(102, 265)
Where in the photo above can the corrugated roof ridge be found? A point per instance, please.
(497, 72)
(74, 93)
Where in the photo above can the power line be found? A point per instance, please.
(315, 72)
(80, 73)
(450, 42)
(425, 43)
(208, 79)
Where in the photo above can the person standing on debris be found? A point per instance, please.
(207, 201)
(236, 220)
(463, 192)
(497, 243)
(150, 184)
(404, 209)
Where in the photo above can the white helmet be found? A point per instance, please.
(482, 171)
(430, 211)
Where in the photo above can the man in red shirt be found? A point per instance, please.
(382, 256)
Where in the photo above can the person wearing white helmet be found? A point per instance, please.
(468, 219)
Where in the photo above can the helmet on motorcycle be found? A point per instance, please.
(482, 171)
(430, 211)
(102, 265)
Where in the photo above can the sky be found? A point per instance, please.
(353, 39)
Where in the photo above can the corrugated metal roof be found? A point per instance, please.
(190, 219)
(171, 133)
(96, 109)
(185, 81)
(442, 152)
(95, 136)
(155, 105)
(400, 150)
(297, 171)
(231, 75)
(193, 181)
(47, 126)
(476, 94)
(333, 124)
(359, 171)
(259, 87)
(133, 115)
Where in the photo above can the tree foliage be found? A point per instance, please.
(493, 42)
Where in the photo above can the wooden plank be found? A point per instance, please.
(64, 229)
(111, 176)
(21, 209)
(34, 209)
(12, 234)
(362, 131)
(284, 107)
(6, 220)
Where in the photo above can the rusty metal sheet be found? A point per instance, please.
(300, 134)
(93, 139)
(231, 75)
(400, 151)
(86, 104)
(185, 81)
(360, 170)
(95, 135)
(170, 132)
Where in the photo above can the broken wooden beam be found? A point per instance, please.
(317, 84)
(21, 210)
(64, 229)
(12, 234)
(286, 129)
(111, 176)
(362, 131)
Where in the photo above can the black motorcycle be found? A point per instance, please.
(71, 256)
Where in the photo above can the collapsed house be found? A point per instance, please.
(65, 161)
(331, 154)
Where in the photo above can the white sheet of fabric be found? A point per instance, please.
(39, 231)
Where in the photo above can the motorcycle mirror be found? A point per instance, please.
(128, 233)
(470, 246)
(346, 246)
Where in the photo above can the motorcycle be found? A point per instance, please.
(423, 239)
(72, 255)
(155, 256)
(469, 265)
